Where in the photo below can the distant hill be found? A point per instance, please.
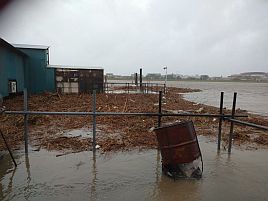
(256, 76)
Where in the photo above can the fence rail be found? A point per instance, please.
(128, 87)
(150, 114)
(159, 114)
(265, 128)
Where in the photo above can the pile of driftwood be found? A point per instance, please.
(114, 132)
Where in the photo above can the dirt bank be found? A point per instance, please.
(114, 132)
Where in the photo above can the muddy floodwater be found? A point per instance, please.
(250, 96)
(134, 175)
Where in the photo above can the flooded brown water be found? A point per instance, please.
(134, 175)
(250, 96)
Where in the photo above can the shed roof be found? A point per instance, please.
(75, 67)
(26, 46)
(4, 43)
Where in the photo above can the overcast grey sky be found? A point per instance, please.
(189, 37)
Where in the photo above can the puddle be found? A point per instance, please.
(134, 175)
(81, 133)
(85, 133)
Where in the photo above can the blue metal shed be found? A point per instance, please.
(38, 77)
(25, 66)
(12, 66)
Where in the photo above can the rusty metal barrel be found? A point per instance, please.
(178, 143)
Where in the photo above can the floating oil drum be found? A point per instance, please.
(178, 144)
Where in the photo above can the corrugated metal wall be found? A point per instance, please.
(38, 77)
(11, 68)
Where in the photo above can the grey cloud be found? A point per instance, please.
(190, 37)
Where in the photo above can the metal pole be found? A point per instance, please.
(140, 78)
(94, 121)
(220, 121)
(165, 68)
(159, 108)
(232, 124)
(246, 123)
(25, 103)
(149, 114)
(128, 88)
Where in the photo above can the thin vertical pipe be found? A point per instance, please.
(25, 103)
(220, 121)
(136, 79)
(128, 88)
(159, 108)
(140, 79)
(232, 124)
(94, 121)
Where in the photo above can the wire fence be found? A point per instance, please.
(128, 87)
(222, 117)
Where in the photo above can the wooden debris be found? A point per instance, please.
(117, 132)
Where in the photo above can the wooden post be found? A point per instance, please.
(136, 79)
(140, 78)
(220, 121)
(232, 124)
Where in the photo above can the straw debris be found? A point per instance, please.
(114, 132)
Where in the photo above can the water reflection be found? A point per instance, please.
(158, 164)
(93, 190)
(157, 172)
(10, 184)
(166, 188)
(7, 169)
(28, 187)
(135, 175)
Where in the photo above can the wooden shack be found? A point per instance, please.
(71, 80)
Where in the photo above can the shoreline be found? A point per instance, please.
(116, 133)
(189, 80)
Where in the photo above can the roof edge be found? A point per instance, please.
(75, 67)
(11, 47)
(27, 46)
